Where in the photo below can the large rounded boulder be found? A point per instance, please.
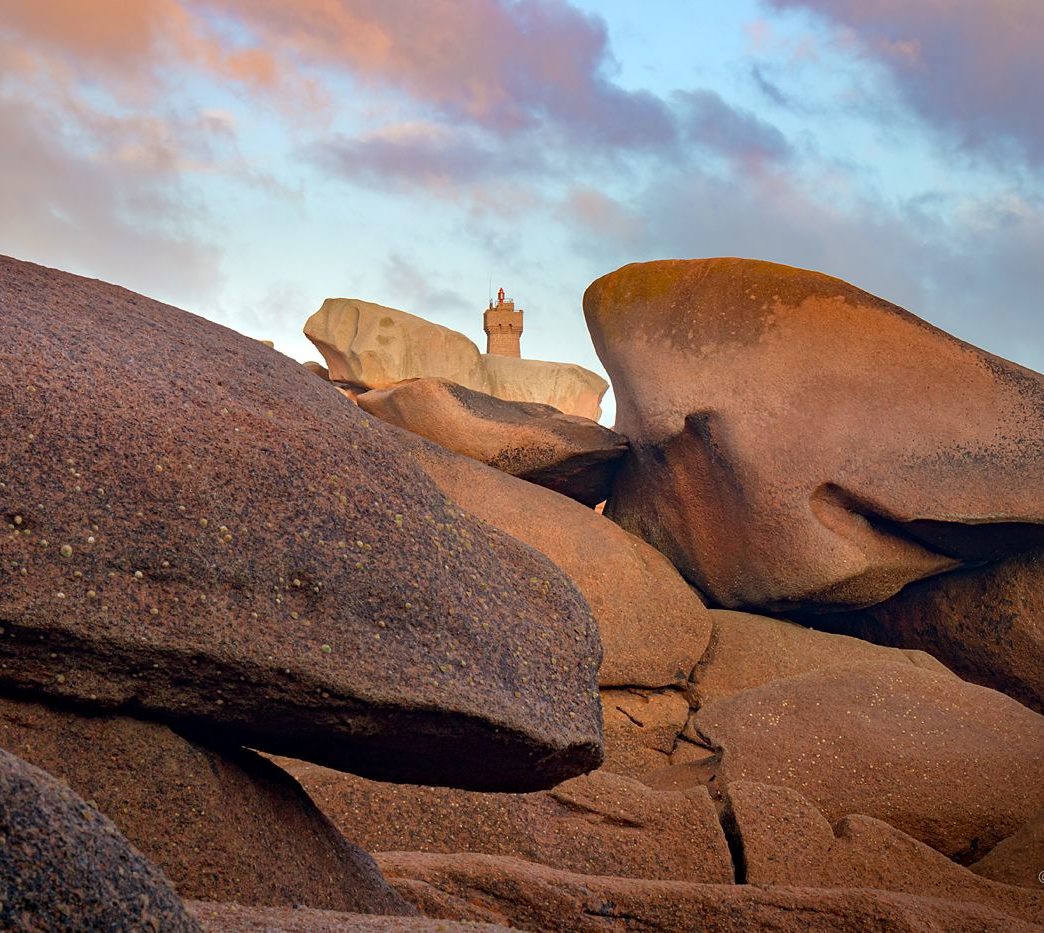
(198, 529)
(798, 443)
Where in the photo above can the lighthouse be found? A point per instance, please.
(503, 327)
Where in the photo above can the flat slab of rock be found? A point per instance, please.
(986, 623)
(533, 897)
(368, 346)
(224, 826)
(64, 866)
(600, 823)
(749, 650)
(799, 443)
(653, 626)
(954, 765)
(574, 456)
(261, 559)
(785, 840)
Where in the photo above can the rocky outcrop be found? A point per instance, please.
(1017, 859)
(749, 650)
(571, 389)
(222, 825)
(956, 766)
(367, 346)
(784, 840)
(599, 824)
(261, 561)
(571, 455)
(653, 626)
(533, 897)
(799, 443)
(986, 623)
(64, 866)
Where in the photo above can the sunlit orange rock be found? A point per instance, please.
(797, 442)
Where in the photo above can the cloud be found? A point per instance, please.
(110, 218)
(424, 290)
(502, 66)
(99, 188)
(972, 69)
(736, 134)
(435, 156)
(769, 88)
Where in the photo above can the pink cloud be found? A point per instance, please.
(974, 69)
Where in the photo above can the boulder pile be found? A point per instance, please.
(368, 346)
(271, 660)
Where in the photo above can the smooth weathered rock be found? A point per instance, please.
(597, 824)
(987, 623)
(799, 443)
(223, 825)
(748, 650)
(235, 918)
(368, 346)
(534, 897)
(570, 388)
(653, 626)
(954, 765)
(1017, 859)
(784, 840)
(643, 729)
(573, 456)
(64, 866)
(260, 559)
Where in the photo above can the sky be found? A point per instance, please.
(246, 159)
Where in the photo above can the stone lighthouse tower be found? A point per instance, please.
(503, 327)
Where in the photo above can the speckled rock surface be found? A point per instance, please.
(235, 918)
(799, 443)
(1017, 859)
(533, 897)
(596, 824)
(987, 623)
(954, 765)
(224, 826)
(653, 626)
(573, 456)
(748, 650)
(64, 866)
(785, 840)
(258, 557)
